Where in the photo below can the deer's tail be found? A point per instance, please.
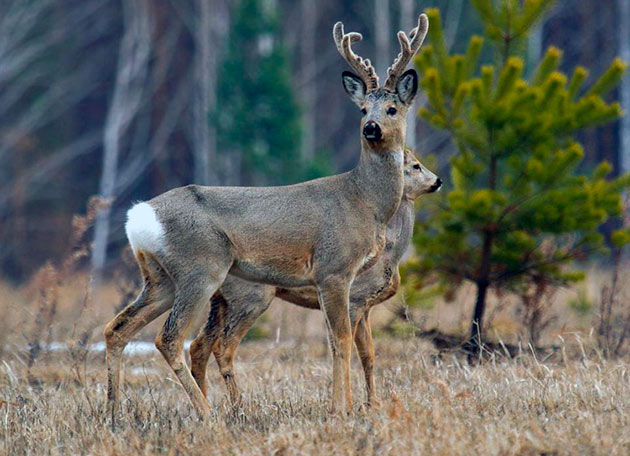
(144, 230)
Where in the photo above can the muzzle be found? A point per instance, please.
(435, 187)
(372, 131)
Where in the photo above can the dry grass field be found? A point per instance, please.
(571, 403)
(428, 406)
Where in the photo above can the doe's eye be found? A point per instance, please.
(364, 111)
(416, 166)
(392, 111)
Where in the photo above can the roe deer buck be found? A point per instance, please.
(239, 303)
(319, 233)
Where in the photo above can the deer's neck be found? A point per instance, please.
(379, 178)
(400, 230)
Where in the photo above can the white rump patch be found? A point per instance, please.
(144, 230)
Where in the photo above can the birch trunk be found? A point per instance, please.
(133, 59)
(383, 38)
(204, 152)
(309, 86)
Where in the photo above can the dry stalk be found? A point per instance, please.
(613, 325)
(48, 281)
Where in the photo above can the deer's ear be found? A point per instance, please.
(407, 86)
(354, 86)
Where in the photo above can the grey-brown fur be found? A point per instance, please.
(319, 233)
(238, 303)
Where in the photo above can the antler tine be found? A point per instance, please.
(408, 48)
(363, 67)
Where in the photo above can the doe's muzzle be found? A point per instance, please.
(372, 131)
(435, 187)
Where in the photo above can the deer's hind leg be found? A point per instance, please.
(155, 298)
(225, 351)
(234, 311)
(195, 284)
(201, 348)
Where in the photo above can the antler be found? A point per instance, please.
(363, 67)
(408, 48)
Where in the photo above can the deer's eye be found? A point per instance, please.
(364, 111)
(392, 111)
(417, 166)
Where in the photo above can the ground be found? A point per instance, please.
(52, 400)
(429, 405)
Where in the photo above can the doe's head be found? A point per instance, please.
(418, 179)
(384, 109)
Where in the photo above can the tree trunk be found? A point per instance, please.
(383, 43)
(477, 318)
(483, 282)
(309, 86)
(135, 48)
(475, 342)
(206, 63)
(534, 46)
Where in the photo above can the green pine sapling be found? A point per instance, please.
(518, 211)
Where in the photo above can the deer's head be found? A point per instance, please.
(418, 179)
(384, 108)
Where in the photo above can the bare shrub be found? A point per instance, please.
(47, 282)
(535, 305)
(613, 325)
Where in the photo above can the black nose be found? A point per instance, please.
(372, 131)
(435, 187)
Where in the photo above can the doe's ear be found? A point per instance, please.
(407, 86)
(354, 86)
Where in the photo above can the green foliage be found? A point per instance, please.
(419, 293)
(401, 330)
(509, 21)
(620, 238)
(257, 116)
(256, 333)
(515, 185)
(259, 331)
(581, 304)
(319, 166)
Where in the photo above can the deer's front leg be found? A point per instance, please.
(334, 301)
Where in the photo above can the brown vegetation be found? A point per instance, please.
(575, 402)
(427, 407)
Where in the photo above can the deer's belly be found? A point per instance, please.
(302, 296)
(282, 261)
(292, 272)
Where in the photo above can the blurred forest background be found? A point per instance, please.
(520, 113)
(128, 99)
